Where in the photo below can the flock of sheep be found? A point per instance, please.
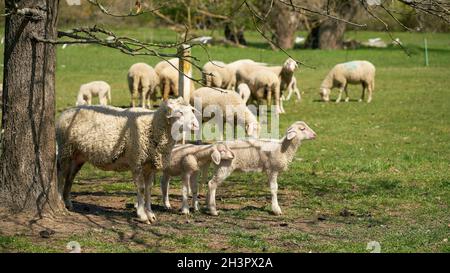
(143, 141)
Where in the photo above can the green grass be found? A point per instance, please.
(377, 171)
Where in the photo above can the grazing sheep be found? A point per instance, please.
(115, 139)
(242, 70)
(264, 84)
(244, 92)
(258, 155)
(186, 161)
(216, 74)
(99, 89)
(142, 80)
(227, 99)
(355, 72)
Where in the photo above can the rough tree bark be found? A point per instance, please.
(284, 23)
(28, 160)
(329, 33)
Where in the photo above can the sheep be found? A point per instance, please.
(186, 161)
(244, 92)
(217, 74)
(264, 83)
(271, 156)
(99, 89)
(288, 82)
(115, 139)
(164, 64)
(355, 72)
(242, 70)
(142, 80)
(168, 76)
(227, 100)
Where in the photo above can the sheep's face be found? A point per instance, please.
(301, 131)
(252, 129)
(325, 94)
(221, 152)
(290, 64)
(181, 115)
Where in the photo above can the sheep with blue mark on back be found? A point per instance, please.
(354, 72)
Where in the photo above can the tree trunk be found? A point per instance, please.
(329, 33)
(284, 23)
(28, 160)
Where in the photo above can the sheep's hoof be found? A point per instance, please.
(360, 100)
(338, 101)
(347, 100)
(185, 211)
(167, 206)
(68, 204)
(276, 211)
(151, 216)
(214, 213)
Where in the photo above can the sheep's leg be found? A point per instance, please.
(144, 95)
(149, 177)
(63, 174)
(220, 175)
(274, 191)
(140, 185)
(346, 94)
(269, 98)
(165, 190)
(74, 169)
(103, 101)
(185, 191)
(277, 100)
(340, 94)
(370, 88)
(363, 92)
(89, 100)
(194, 189)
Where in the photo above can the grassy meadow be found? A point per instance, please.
(376, 172)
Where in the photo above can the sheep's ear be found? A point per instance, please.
(291, 133)
(215, 156)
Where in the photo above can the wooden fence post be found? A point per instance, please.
(185, 71)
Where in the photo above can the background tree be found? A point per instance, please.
(27, 162)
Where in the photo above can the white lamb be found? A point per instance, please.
(187, 161)
(115, 139)
(355, 72)
(288, 82)
(227, 100)
(168, 76)
(99, 89)
(142, 81)
(258, 155)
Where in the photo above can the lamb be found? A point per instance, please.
(226, 100)
(288, 82)
(99, 89)
(242, 70)
(355, 72)
(217, 74)
(186, 161)
(270, 156)
(244, 92)
(263, 84)
(115, 139)
(164, 64)
(142, 80)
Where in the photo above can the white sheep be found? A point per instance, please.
(355, 72)
(187, 161)
(142, 81)
(217, 74)
(264, 84)
(244, 91)
(164, 64)
(242, 70)
(258, 155)
(115, 139)
(226, 100)
(169, 76)
(288, 82)
(99, 89)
